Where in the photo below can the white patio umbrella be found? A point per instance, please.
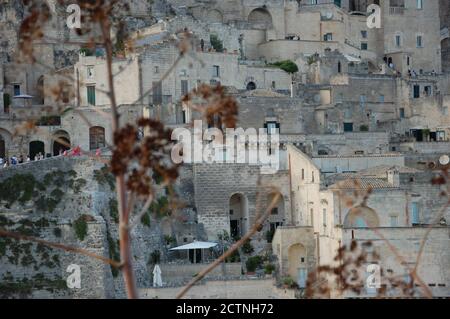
(157, 280)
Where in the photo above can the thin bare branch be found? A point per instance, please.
(17, 236)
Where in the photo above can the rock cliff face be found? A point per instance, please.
(69, 201)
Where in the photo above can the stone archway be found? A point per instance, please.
(251, 86)
(2, 147)
(96, 138)
(239, 216)
(35, 148)
(361, 217)
(61, 142)
(260, 18)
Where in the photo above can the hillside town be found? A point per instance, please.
(342, 131)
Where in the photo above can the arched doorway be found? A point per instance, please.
(251, 86)
(260, 18)
(5, 140)
(96, 138)
(61, 142)
(2, 147)
(297, 264)
(238, 215)
(361, 217)
(36, 147)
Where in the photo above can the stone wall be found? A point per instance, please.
(233, 289)
(216, 184)
(433, 266)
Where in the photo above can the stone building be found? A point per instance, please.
(401, 204)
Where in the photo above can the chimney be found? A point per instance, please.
(393, 176)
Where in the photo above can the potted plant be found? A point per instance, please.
(269, 269)
(252, 264)
(288, 282)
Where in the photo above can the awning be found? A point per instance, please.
(196, 245)
(352, 58)
(23, 96)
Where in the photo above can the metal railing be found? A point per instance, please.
(396, 10)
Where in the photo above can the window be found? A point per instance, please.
(415, 213)
(402, 113)
(419, 41)
(381, 98)
(339, 67)
(303, 174)
(348, 127)
(311, 215)
(312, 177)
(394, 221)
(274, 85)
(274, 211)
(328, 37)
(398, 40)
(156, 69)
(184, 87)
(419, 4)
(272, 127)
(324, 217)
(96, 138)
(364, 46)
(231, 212)
(16, 89)
(427, 90)
(90, 72)
(364, 34)
(91, 94)
(416, 93)
(215, 71)
(157, 92)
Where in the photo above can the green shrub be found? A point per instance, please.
(269, 269)
(216, 43)
(364, 128)
(155, 257)
(253, 263)
(247, 248)
(169, 240)
(114, 210)
(81, 227)
(288, 281)
(287, 66)
(113, 253)
(145, 220)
